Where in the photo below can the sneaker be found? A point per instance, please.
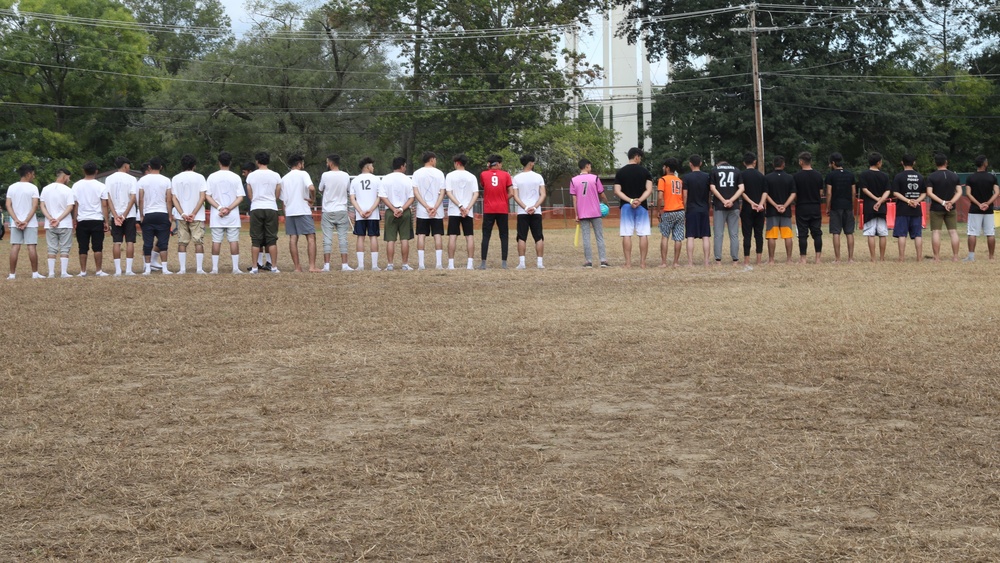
(10, 277)
(520, 267)
(145, 272)
(167, 272)
(449, 267)
(268, 267)
(118, 274)
(101, 274)
(238, 272)
(249, 268)
(421, 267)
(37, 276)
(346, 268)
(275, 270)
(481, 267)
(200, 272)
(80, 275)
(605, 265)
(50, 276)
(254, 271)
(969, 258)
(66, 276)
(213, 272)
(376, 268)
(440, 267)
(407, 268)
(325, 269)
(503, 266)
(588, 265)
(129, 273)
(389, 268)
(155, 268)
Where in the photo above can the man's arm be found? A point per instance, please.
(13, 216)
(312, 194)
(49, 218)
(142, 194)
(829, 193)
(131, 204)
(541, 197)
(200, 205)
(419, 198)
(576, 208)
(621, 195)
(740, 190)
(647, 192)
(277, 192)
(517, 199)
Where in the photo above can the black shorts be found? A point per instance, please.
(90, 235)
(531, 222)
(465, 223)
(125, 232)
(367, 228)
(430, 226)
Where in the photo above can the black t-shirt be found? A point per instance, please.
(754, 185)
(841, 184)
(877, 182)
(945, 184)
(910, 184)
(809, 187)
(632, 178)
(780, 187)
(696, 185)
(726, 178)
(980, 187)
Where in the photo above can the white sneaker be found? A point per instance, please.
(238, 272)
(254, 271)
(145, 272)
(520, 267)
(10, 277)
(66, 276)
(201, 272)
(213, 272)
(156, 268)
(167, 272)
(80, 275)
(440, 267)
(469, 268)
(178, 272)
(449, 267)
(376, 269)
(50, 276)
(407, 268)
(421, 267)
(118, 274)
(275, 270)
(541, 267)
(346, 268)
(130, 273)
(389, 268)
(37, 276)
(101, 274)
(325, 269)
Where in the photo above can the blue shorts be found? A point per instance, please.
(905, 225)
(367, 228)
(697, 224)
(634, 221)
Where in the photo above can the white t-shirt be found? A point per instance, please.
(120, 187)
(334, 185)
(88, 195)
(20, 195)
(154, 189)
(225, 186)
(463, 185)
(429, 181)
(365, 188)
(529, 188)
(397, 188)
(57, 198)
(187, 187)
(263, 184)
(295, 193)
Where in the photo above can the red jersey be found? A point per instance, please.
(496, 183)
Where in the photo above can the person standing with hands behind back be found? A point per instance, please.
(633, 186)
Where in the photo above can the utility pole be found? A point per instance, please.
(757, 102)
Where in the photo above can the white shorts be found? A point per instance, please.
(981, 225)
(876, 228)
(634, 221)
(232, 233)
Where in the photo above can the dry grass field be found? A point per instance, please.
(785, 413)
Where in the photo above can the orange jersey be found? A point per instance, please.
(671, 193)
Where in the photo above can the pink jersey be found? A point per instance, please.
(587, 189)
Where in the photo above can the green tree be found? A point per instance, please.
(182, 31)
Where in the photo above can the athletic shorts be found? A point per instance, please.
(399, 228)
(430, 227)
(299, 225)
(193, 232)
(842, 220)
(634, 221)
(60, 240)
(366, 227)
(876, 227)
(672, 225)
(531, 223)
(90, 235)
(696, 224)
(231, 233)
(778, 226)
(981, 225)
(263, 227)
(908, 226)
(465, 223)
(946, 218)
(27, 235)
(123, 233)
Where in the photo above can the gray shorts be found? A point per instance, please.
(219, 233)
(299, 225)
(842, 220)
(60, 240)
(672, 225)
(335, 221)
(28, 235)
(981, 224)
(876, 227)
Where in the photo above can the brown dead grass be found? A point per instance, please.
(787, 413)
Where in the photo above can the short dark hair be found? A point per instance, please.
(874, 158)
(908, 159)
(836, 158)
(634, 152)
(461, 159)
(806, 157)
(778, 162)
(583, 163)
(981, 161)
(188, 162)
(526, 158)
(295, 159)
(671, 163)
(25, 169)
(144, 167)
(427, 156)
(248, 165)
(121, 161)
(63, 172)
(398, 162)
(334, 158)
(156, 163)
(494, 159)
(940, 159)
(695, 160)
(365, 162)
(225, 159)
(90, 167)
(749, 158)
(262, 158)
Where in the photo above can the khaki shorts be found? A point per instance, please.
(191, 232)
(947, 218)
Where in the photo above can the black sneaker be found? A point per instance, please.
(266, 267)
(604, 265)
(588, 265)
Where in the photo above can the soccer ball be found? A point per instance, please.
(605, 210)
